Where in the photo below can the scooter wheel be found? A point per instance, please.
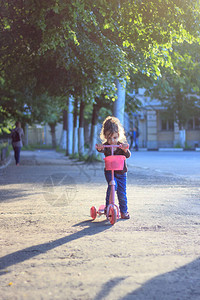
(112, 215)
(93, 212)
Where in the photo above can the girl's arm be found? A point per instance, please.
(125, 148)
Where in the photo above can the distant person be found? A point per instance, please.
(131, 138)
(134, 134)
(16, 134)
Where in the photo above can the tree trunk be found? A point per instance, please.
(63, 139)
(70, 127)
(93, 136)
(53, 134)
(182, 138)
(75, 133)
(81, 130)
(119, 104)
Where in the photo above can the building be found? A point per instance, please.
(158, 132)
(155, 130)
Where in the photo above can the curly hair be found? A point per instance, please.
(110, 126)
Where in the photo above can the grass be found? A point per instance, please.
(32, 147)
(178, 146)
(86, 157)
(78, 157)
(187, 147)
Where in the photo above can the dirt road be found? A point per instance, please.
(50, 248)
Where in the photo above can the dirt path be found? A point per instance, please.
(50, 248)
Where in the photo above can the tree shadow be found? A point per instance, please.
(108, 286)
(89, 228)
(13, 195)
(182, 283)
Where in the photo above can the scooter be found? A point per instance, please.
(112, 163)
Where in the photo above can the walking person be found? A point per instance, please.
(130, 134)
(135, 137)
(134, 134)
(17, 134)
(112, 133)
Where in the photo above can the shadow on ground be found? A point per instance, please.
(89, 228)
(182, 283)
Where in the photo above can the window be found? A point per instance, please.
(196, 123)
(170, 125)
(193, 124)
(166, 124)
(190, 124)
(163, 124)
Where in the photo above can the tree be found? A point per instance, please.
(47, 110)
(102, 101)
(178, 89)
(98, 40)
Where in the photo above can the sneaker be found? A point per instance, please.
(125, 215)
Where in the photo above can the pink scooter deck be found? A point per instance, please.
(101, 209)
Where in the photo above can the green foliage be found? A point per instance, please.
(33, 147)
(74, 156)
(3, 145)
(93, 158)
(187, 147)
(178, 89)
(7, 148)
(60, 150)
(178, 146)
(104, 112)
(59, 48)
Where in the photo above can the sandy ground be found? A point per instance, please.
(51, 249)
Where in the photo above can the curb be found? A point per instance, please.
(170, 149)
(177, 149)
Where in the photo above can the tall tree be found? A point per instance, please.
(97, 39)
(178, 89)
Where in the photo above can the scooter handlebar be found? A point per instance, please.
(101, 147)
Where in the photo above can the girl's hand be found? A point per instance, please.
(99, 147)
(124, 147)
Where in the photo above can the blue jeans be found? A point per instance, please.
(120, 187)
(17, 154)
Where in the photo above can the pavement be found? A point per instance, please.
(185, 163)
(51, 249)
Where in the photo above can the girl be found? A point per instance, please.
(112, 133)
